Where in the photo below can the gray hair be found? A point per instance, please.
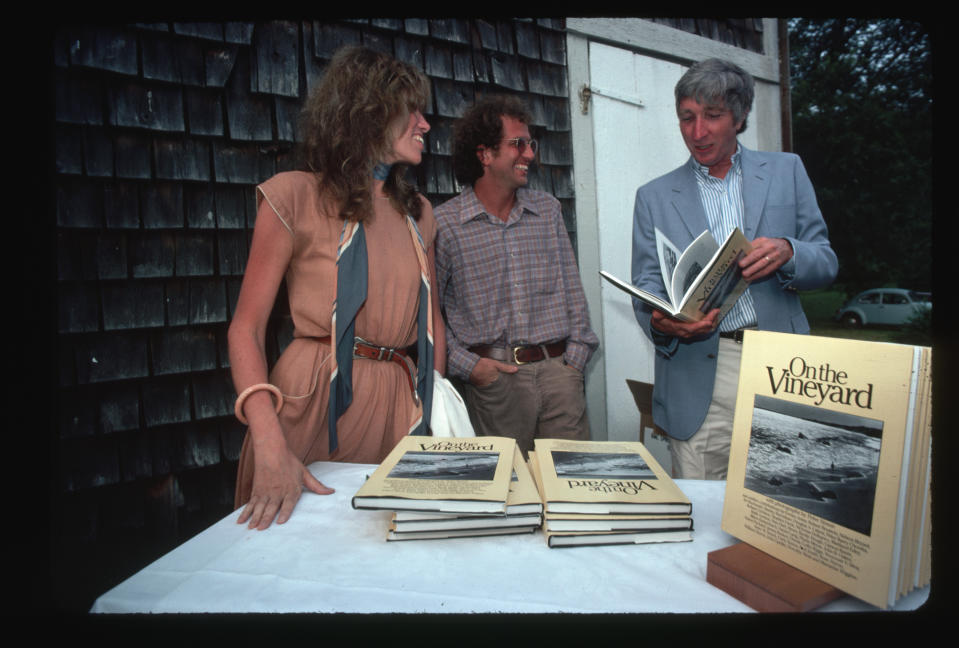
(718, 82)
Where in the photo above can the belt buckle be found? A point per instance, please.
(381, 350)
(515, 359)
(358, 340)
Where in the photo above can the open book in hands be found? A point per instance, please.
(705, 276)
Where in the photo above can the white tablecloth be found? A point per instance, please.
(331, 558)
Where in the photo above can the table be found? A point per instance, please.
(331, 558)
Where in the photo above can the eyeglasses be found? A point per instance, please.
(522, 142)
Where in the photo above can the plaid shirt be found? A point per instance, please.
(511, 283)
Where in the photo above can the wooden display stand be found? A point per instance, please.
(764, 583)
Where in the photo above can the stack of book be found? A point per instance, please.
(829, 467)
(607, 492)
(453, 487)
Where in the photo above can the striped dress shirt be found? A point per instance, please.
(509, 283)
(723, 203)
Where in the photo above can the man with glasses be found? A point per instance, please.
(518, 332)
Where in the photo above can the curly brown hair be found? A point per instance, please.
(482, 125)
(349, 123)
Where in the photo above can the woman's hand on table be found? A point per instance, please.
(278, 481)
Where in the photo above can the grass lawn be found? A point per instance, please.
(821, 305)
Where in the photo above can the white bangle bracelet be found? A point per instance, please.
(238, 408)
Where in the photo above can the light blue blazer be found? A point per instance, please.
(779, 201)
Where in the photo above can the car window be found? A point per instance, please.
(869, 298)
(894, 298)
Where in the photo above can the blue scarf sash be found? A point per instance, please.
(351, 293)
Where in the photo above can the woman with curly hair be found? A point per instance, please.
(354, 242)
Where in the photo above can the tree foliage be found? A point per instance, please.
(862, 123)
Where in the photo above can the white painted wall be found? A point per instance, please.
(619, 146)
(633, 144)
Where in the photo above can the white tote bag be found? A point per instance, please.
(449, 417)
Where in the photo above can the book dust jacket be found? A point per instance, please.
(432, 469)
(605, 476)
(824, 441)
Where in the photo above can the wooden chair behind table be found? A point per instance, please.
(643, 395)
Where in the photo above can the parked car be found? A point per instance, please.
(887, 306)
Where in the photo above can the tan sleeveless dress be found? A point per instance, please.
(383, 407)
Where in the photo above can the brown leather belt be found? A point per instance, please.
(363, 349)
(523, 354)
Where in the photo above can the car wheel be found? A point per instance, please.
(851, 320)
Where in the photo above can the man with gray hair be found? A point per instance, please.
(722, 186)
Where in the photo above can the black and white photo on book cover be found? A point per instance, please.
(600, 465)
(818, 460)
(443, 465)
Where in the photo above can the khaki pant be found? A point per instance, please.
(705, 455)
(544, 399)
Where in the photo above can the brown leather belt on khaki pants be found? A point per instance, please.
(363, 349)
(523, 354)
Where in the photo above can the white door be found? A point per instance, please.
(636, 138)
(635, 135)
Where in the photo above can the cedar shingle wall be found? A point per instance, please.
(161, 132)
(745, 33)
